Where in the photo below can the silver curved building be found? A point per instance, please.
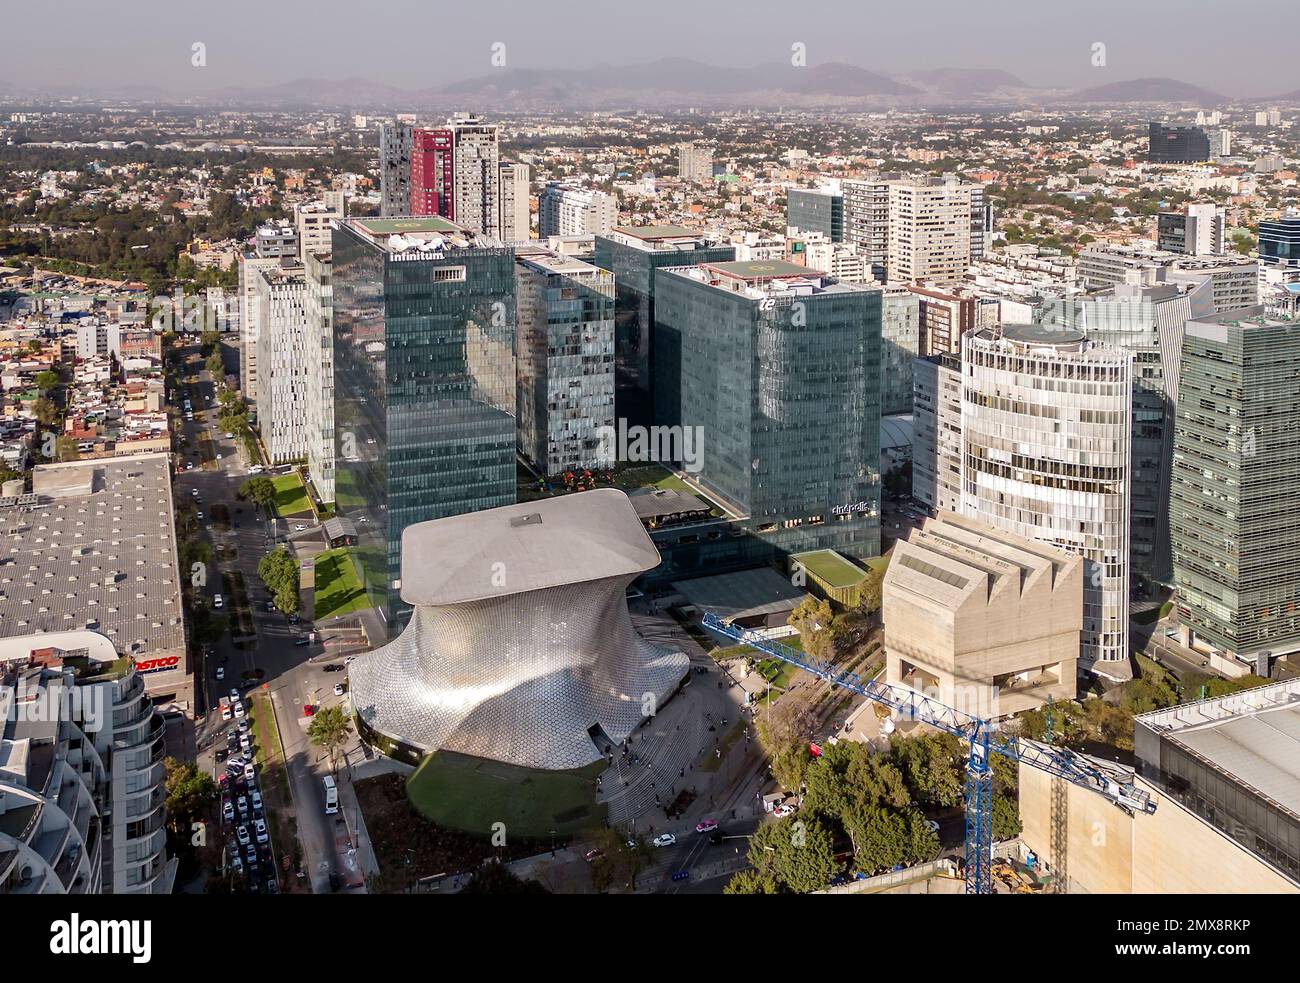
(1045, 423)
(520, 647)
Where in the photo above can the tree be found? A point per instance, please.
(45, 411)
(793, 855)
(279, 571)
(931, 766)
(330, 729)
(813, 618)
(189, 793)
(215, 365)
(260, 489)
(870, 590)
(496, 878)
(47, 380)
(618, 863)
(783, 732)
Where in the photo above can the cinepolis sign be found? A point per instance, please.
(146, 666)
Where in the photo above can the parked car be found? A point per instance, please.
(308, 710)
(226, 712)
(242, 833)
(255, 797)
(783, 810)
(239, 709)
(931, 825)
(227, 810)
(222, 754)
(259, 830)
(338, 689)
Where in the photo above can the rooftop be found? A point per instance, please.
(96, 550)
(651, 233)
(1252, 736)
(572, 539)
(741, 595)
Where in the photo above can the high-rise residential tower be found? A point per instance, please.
(694, 163)
(433, 173)
(515, 183)
(395, 141)
(318, 268)
(477, 187)
(282, 355)
(565, 211)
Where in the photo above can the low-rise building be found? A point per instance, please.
(982, 619)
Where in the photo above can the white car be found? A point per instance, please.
(931, 825)
(299, 527)
(255, 797)
(338, 689)
(221, 673)
(218, 601)
(226, 712)
(664, 839)
(244, 838)
(230, 436)
(259, 829)
(239, 709)
(783, 810)
(218, 457)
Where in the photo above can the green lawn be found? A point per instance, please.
(471, 794)
(831, 568)
(338, 591)
(290, 494)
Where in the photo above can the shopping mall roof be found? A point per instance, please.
(95, 549)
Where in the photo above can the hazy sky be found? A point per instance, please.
(1237, 47)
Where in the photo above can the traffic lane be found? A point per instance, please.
(315, 832)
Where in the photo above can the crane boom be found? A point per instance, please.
(980, 735)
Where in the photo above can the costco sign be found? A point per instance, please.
(144, 666)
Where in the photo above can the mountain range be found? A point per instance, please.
(672, 83)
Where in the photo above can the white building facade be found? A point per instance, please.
(1046, 448)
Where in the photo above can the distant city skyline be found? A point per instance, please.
(85, 46)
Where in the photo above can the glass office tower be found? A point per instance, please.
(780, 368)
(815, 210)
(424, 385)
(1233, 517)
(633, 254)
(565, 353)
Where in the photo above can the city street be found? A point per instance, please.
(272, 660)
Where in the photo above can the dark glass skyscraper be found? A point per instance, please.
(1175, 144)
(1279, 241)
(633, 255)
(424, 384)
(780, 367)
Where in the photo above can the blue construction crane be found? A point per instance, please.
(980, 736)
